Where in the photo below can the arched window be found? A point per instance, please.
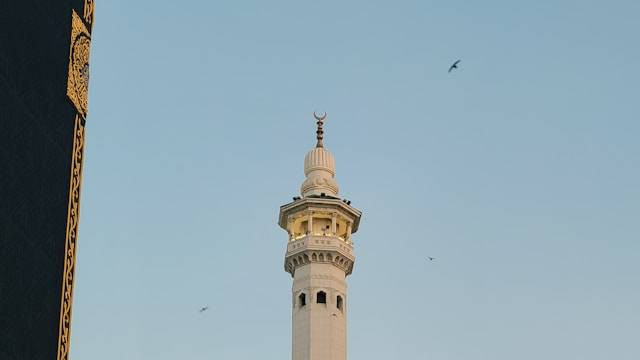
(321, 297)
(302, 299)
(339, 302)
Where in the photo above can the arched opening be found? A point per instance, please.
(302, 299)
(321, 226)
(321, 297)
(299, 228)
(339, 302)
(314, 257)
(321, 257)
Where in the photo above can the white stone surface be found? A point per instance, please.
(319, 256)
(320, 169)
(319, 330)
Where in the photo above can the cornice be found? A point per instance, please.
(335, 257)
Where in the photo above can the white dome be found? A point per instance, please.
(319, 159)
(319, 168)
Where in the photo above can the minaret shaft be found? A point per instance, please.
(319, 329)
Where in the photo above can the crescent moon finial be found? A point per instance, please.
(320, 131)
(320, 118)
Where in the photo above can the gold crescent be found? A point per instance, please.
(321, 117)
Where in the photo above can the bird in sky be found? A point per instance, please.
(431, 258)
(454, 66)
(203, 309)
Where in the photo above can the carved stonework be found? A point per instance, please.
(70, 241)
(78, 76)
(301, 208)
(319, 184)
(319, 256)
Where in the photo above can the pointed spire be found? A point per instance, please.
(319, 132)
(319, 167)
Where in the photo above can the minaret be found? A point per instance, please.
(319, 257)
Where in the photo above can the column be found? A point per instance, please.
(334, 222)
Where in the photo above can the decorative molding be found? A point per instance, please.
(306, 256)
(88, 11)
(73, 214)
(78, 76)
(327, 206)
(322, 277)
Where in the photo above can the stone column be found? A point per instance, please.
(334, 222)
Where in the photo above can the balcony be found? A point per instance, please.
(319, 242)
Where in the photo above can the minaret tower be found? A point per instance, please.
(319, 257)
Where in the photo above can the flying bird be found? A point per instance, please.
(454, 66)
(203, 309)
(431, 258)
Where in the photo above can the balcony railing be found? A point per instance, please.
(319, 242)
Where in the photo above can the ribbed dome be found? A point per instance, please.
(319, 159)
(319, 168)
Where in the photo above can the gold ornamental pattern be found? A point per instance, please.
(78, 77)
(73, 217)
(88, 11)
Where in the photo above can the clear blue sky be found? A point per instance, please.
(519, 173)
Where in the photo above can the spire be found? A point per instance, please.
(319, 167)
(319, 132)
